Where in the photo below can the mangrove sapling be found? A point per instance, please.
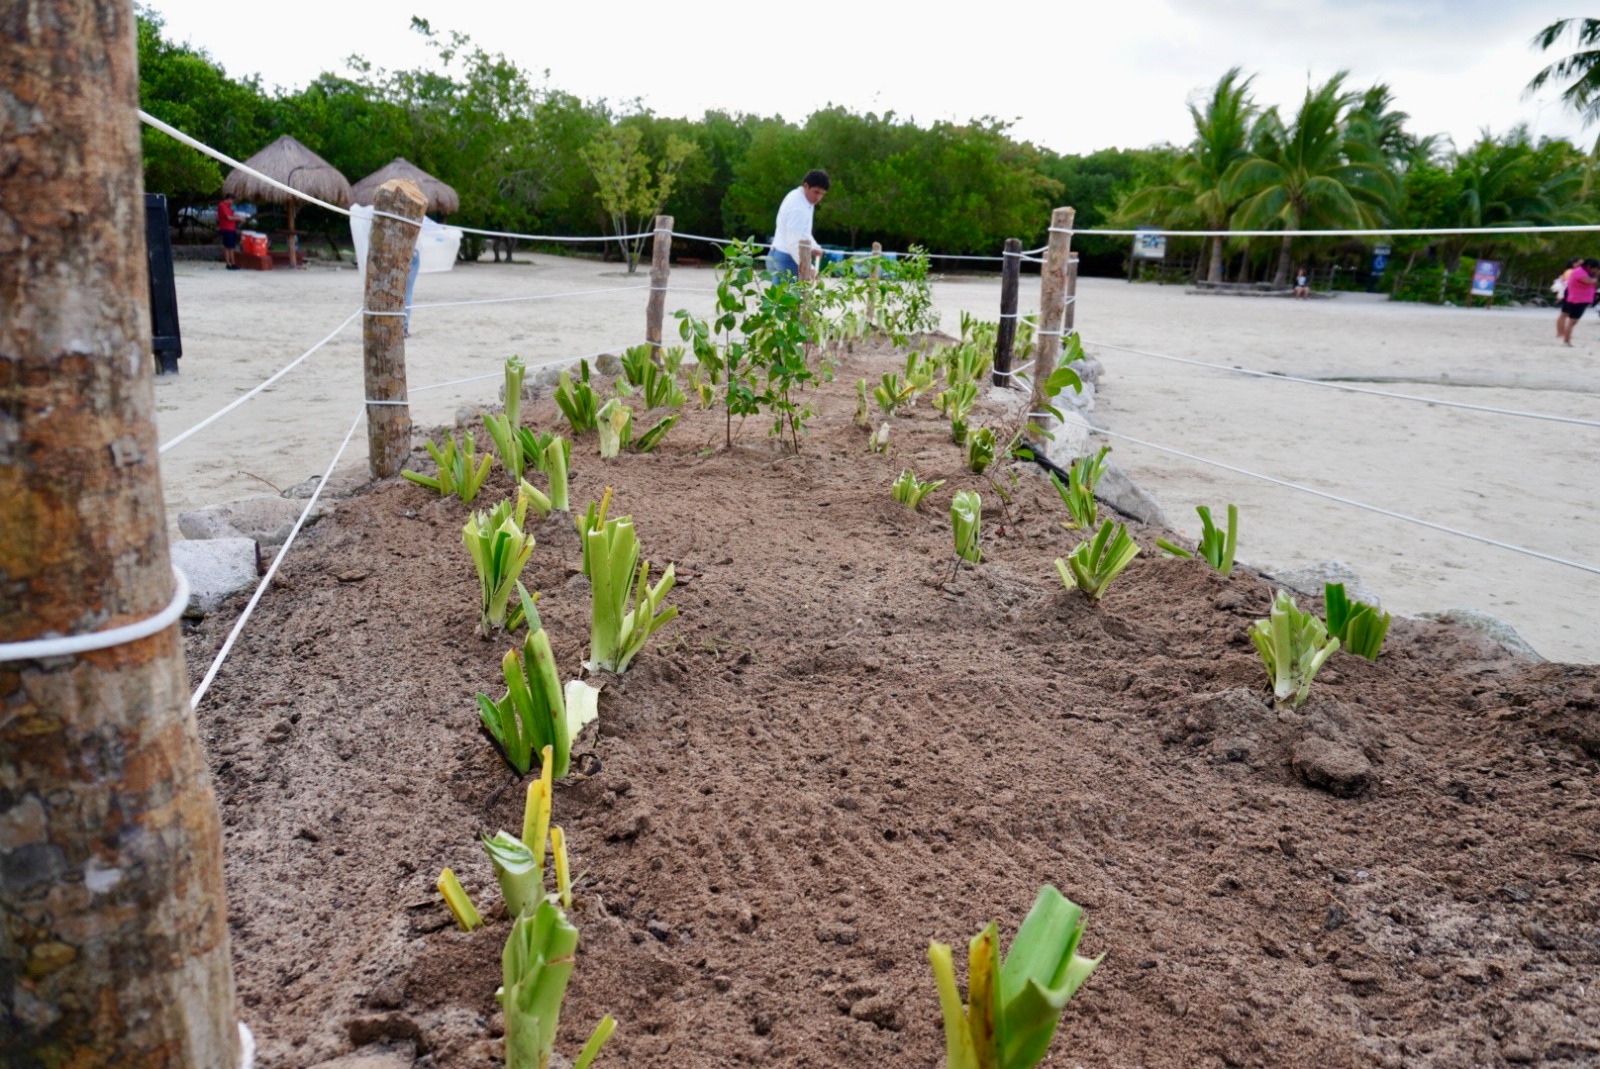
(503, 427)
(536, 966)
(499, 549)
(459, 471)
(966, 523)
(1078, 494)
(1216, 546)
(615, 422)
(1092, 565)
(1013, 1008)
(617, 632)
(909, 491)
(577, 400)
(1293, 645)
(557, 455)
(455, 898)
(1359, 627)
(980, 450)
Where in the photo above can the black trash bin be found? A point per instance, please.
(165, 340)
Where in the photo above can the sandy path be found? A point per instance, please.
(1523, 481)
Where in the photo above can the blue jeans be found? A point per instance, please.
(780, 263)
(411, 284)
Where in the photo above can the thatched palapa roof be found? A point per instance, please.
(297, 167)
(442, 200)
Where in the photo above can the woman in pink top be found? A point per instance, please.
(1580, 294)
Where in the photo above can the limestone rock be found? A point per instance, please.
(266, 518)
(1308, 579)
(1337, 767)
(1493, 626)
(608, 364)
(216, 568)
(1128, 498)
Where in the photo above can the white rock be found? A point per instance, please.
(266, 518)
(216, 568)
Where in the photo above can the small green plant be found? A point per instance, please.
(499, 549)
(557, 455)
(1012, 1008)
(534, 446)
(879, 442)
(920, 372)
(892, 393)
(537, 501)
(536, 966)
(577, 400)
(861, 402)
(1293, 645)
(968, 361)
(956, 403)
(910, 492)
(635, 364)
(615, 422)
(980, 450)
(459, 470)
(1359, 627)
(1078, 494)
(503, 428)
(1095, 562)
(456, 899)
(617, 632)
(652, 437)
(1216, 546)
(593, 519)
(661, 388)
(966, 523)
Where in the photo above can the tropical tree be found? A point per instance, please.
(632, 187)
(1581, 68)
(1309, 173)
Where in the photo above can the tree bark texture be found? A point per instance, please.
(1052, 305)
(660, 269)
(113, 925)
(383, 337)
(1006, 336)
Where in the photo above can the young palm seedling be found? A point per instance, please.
(1095, 562)
(635, 361)
(618, 632)
(1216, 546)
(557, 454)
(535, 968)
(459, 470)
(1293, 645)
(1359, 627)
(910, 492)
(661, 388)
(861, 402)
(1078, 494)
(956, 403)
(892, 393)
(504, 428)
(615, 421)
(499, 549)
(534, 447)
(980, 450)
(577, 400)
(966, 523)
(1012, 1008)
(535, 713)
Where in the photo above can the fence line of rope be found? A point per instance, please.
(1377, 509)
(272, 570)
(1419, 231)
(530, 297)
(290, 366)
(1347, 388)
(38, 649)
(501, 372)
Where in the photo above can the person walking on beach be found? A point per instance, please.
(1302, 282)
(1580, 294)
(794, 225)
(1560, 290)
(228, 231)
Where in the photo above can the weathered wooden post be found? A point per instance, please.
(807, 272)
(872, 291)
(1006, 336)
(115, 944)
(1052, 305)
(660, 267)
(383, 342)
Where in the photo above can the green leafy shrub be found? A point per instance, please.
(1293, 645)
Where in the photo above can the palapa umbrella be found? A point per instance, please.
(442, 200)
(289, 162)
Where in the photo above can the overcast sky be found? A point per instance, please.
(1070, 75)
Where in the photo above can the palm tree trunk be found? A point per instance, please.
(1281, 279)
(116, 943)
(1215, 273)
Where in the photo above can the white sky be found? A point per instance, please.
(1071, 75)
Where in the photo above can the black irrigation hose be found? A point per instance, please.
(1026, 450)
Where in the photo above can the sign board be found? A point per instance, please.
(1484, 273)
(1151, 246)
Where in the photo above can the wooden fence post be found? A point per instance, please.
(872, 291)
(660, 267)
(383, 343)
(807, 273)
(115, 944)
(1006, 336)
(1052, 306)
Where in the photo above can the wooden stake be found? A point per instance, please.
(872, 292)
(1006, 336)
(660, 267)
(383, 335)
(1052, 306)
(115, 945)
(807, 273)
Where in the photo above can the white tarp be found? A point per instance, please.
(437, 243)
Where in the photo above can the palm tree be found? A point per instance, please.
(1309, 173)
(1196, 194)
(1582, 66)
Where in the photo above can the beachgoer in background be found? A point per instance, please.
(1560, 290)
(228, 231)
(794, 225)
(1580, 294)
(1302, 283)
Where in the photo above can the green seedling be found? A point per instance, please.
(503, 428)
(1012, 1008)
(652, 437)
(459, 470)
(1078, 494)
(618, 632)
(1359, 627)
(968, 362)
(635, 362)
(966, 522)
(910, 492)
(956, 403)
(920, 372)
(536, 966)
(1293, 645)
(534, 447)
(535, 498)
(1095, 562)
(519, 873)
(892, 393)
(593, 519)
(577, 400)
(661, 388)
(980, 450)
(1216, 546)
(615, 421)
(455, 897)
(557, 455)
(861, 402)
(499, 549)
(879, 442)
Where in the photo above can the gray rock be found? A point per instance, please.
(467, 418)
(301, 491)
(1309, 578)
(267, 519)
(216, 568)
(608, 364)
(378, 1059)
(547, 376)
(1128, 498)
(1493, 626)
(1071, 440)
(1336, 767)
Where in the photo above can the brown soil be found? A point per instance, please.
(835, 755)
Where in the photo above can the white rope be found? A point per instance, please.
(534, 297)
(720, 241)
(370, 312)
(266, 580)
(1523, 413)
(1594, 569)
(38, 649)
(552, 237)
(1586, 228)
(1032, 260)
(501, 373)
(241, 400)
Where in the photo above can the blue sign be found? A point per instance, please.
(1484, 273)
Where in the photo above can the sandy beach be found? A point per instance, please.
(1523, 481)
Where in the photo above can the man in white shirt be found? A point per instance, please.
(794, 225)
